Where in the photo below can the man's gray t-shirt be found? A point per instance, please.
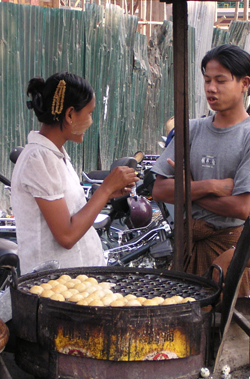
(215, 153)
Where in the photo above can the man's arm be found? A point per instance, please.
(236, 206)
(164, 189)
(213, 195)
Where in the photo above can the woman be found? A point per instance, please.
(53, 220)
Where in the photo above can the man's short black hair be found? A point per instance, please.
(232, 57)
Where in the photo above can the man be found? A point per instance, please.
(219, 161)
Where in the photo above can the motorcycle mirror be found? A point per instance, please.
(139, 156)
(125, 161)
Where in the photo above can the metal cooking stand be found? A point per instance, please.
(231, 288)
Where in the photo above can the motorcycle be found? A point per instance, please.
(136, 231)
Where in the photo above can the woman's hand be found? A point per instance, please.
(120, 181)
(124, 191)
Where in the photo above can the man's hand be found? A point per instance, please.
(172, 164)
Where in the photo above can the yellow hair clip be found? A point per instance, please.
(58, 99)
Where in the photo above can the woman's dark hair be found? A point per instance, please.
(78, 93)
(232, 57)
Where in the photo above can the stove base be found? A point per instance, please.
(53, 365)
(43, 364)
(86, 368)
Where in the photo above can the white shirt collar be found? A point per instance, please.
(34, 137)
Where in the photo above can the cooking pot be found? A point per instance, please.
(116, 333)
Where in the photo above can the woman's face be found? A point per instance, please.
(81, 121)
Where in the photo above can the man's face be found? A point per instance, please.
(223, 91)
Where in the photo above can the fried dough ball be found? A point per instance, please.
(83, 302)
(75, 281)
(149, 302)
(73, 291)
(96, 303)
(159, 299)
(65, 277)
(168, 301)
(53, 283)
(69, 284)
(106, 285)
(141, 299)
(61, 281)
(130, 297)
(133, 303)
(59, 288)
(36, 290)
(188, 299)
(177, 299)
(107, 300)
(107, 291)
(87, 284)
(89, 299)
(57, 297)
(91, 280)
(117, 303)
(98, 294)
(118, 295)
(46, 286)
(75, 298)
(80, 287)
(85, 294)
(47, 293)
(82, 277)
(91, 289)
(98, 287)
(67, 294)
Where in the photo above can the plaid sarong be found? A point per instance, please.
(207, 244)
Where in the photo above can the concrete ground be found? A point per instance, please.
(235, 353)
(236, 348)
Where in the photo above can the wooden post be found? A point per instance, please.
(143, 11)
(180, 46)
(245, 15)
(55, 4)
(236, 11)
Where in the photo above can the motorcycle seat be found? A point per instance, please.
(98, 174)
(102, 221)
(8, 258)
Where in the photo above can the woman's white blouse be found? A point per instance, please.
(43, 171)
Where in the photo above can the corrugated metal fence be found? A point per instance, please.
(133, 81)
(134, 96)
